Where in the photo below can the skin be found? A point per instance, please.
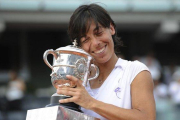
(100, 45)
(60, 82)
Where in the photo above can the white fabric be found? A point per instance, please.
(95, 90)
(174, 91)
(116, 88)
(14, 93)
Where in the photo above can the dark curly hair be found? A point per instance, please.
(82, 18)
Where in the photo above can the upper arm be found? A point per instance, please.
(142, 94)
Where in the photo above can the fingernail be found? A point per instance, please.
(67, 75)
(60, 85)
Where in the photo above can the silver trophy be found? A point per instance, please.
(69, 60)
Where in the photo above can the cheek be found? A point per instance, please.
(111, 40)
(86, 48)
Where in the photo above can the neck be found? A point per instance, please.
(109, 64)
(104, 72)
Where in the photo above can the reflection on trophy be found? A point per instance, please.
(69, 60)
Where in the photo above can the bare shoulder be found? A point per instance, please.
(143, 79)
(142, 94)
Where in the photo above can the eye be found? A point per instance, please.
(99, 33)
(85, 40)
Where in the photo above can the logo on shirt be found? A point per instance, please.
(118, 91)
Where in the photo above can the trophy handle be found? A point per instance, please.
(96, 70)
(46, 53)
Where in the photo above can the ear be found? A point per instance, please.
(112, 29)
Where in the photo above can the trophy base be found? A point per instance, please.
(56, 113)
(54, 101)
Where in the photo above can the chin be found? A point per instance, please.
(103, 60)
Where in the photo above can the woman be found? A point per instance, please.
(124, 89)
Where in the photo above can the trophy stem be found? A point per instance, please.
(54, 101)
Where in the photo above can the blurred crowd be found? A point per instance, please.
(166, 87)
(16, 101)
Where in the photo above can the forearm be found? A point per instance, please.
(112, 112)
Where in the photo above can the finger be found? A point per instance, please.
(67, 89)
(76, 80)
(68, 92)
(58, 91)
(72, 78)
(67, 100)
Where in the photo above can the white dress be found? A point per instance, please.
(116, 89)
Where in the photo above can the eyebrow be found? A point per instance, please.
(82, 36)
(97, 28)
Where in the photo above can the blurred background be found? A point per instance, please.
(150, 30)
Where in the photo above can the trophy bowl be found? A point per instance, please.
(69, 60)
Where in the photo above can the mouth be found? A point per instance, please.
(100, 51)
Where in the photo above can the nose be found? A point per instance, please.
(95, 42)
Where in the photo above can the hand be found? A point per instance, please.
(79, 94)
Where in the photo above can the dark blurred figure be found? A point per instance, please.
(15, 91)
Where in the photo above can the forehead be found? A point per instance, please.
(93, 27)
(90, 26)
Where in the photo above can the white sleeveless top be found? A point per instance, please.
(116, 89)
